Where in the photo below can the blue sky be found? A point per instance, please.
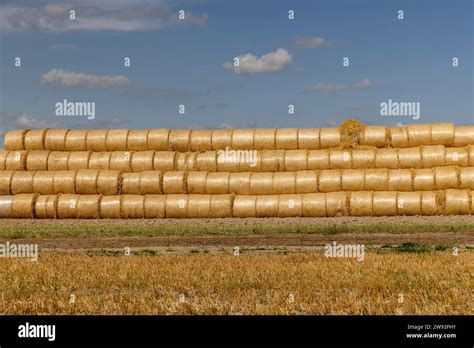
(183, 62)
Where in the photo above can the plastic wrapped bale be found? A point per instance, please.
(67, 206)
(138, 140)
(433, 156)
(457, 156)
(423, 180)
(201, 140)
(409, 203)
(109, 182)
(142, 161)
(158, 139)
(151, 182)
(308, 138)
(386, 158)
(131, 183)
(16, 160)
(442, 134)
(398, 137)
(239, 183)
(88, 206)
(330, 180)
(267, 206)
(86, 181)
(361, 204)
(296, 160)
(46, 207)
(340, 159)
(463, 135)
(3, 158)
(384, 203)
(362, 159)
(337, 204)
(217, 183)
(376, 179)
(23, 206)
(6, 207)
(265, 139)
(186, 161)
(132, 207)
(457, 202)
(429, 205)
(100, 160)
(55, 139)
(286, 139)
(110, 207)
(353, 180)
(221, 139)
(164, 161)
(272, 160)
(96, 140)
(177, 206)
(22, 182)
(306, 181)
(6, 181)
(79, 160)
(446, 178)
(58, 160)
(261, 183)
(243, 139)
(329, 138)
(283, 183)
(199, 206)
(37, 160)
(196, 182)
(179, 140)
(174, 182)
(155, 206)
(245, 206)
(318, 159)
(466, 178)
(375, 136)
(419, 134)
(400, 180)
(34, 139)
(65, 182)
(43, 183)
(117, 140)
(410, 157)
(121, 160)
(314, 205)
(221, 206)
(75, 140)
(15, 139)
(290, 205)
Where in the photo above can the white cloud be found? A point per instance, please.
(311, 42)
(249, 64)
(328, 88)
(26, 121)
(65, 78)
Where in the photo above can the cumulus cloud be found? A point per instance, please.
(60, 77)
(11, 120)
(250, 64)
(311, 42)
(328, 88)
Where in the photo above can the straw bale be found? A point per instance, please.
(86, 181)
(67, 206)
(306, 181)
(330, 180)
(96, 140)
(463, 135)
(457, 156)
(199, 206)
(409, 203)
(386, 158)
(398, 137)
(272, 160)
(23, 206)
(79, 160)
(442, 134)
(221, 206)
(432, 156)
(22, 182)
(376, 180)
(3, 158)
(384, 203)
(6, 207)
(58, 160)
(243, 139)
(250, 161)
(423, 180)
(88, 207)
(196, 182)
(206, 161)
(64, 182)
(155, 206)
(174, 182)
(16, 160)
(217, 183)
(186, 160)
(121, 160)
(117, 140)
(409, 157)
(158, 139)
(267, 206)
(457, 202)
(265, 139)
(201, 140)
(466, 178)
(361, 204)
(34, 139)
(131, 183)
(261, 183)
(296, 160)
(99, 160)
(308, 138)
(329, 138)
(179, 140)
(290, 205)
(245, 206)
(142, 161)
(132, 207)
(110, 207)
(314, 205)
(284, 182)
(55, 139)
(446, 178)
(228, 161)
(109, 182)
(221, 139)
(353, 180)
(164, 160)
(239, 183)
(46, 207)
(177, 206)
(138, 140)
(375, 136)
(318, 159)
(470, 150)
(5, 181)
(286, 138)
(340, 159)
(429, 205)
(37, 160)
(15, 139)
(419, 134)
(363, 158)
(151, 182)
(351, 131)
(400, 180)
(75, 140)
(337, 204)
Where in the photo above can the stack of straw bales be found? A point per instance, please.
(353, 170)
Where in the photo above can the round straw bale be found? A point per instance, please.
(15, 139)
(37, 160)
(201, 140)
(155, 206)
(75, 140)
(177, 206)
(261, 183)
(376, 179)
(419, 134)
(22, 182)
(96, 140)
(250, 161)
(131, 183)
(337, 204)
(286, 138)
(245, 206)
(409, 203)
(46, 207)
(86, 181)
(221, 139)
(23, 206)
(466, 178)
(117, 140)
(386, 158)
(185, 160)
(267, 206)
(432, 156)
(329, 138)
(65, 182)
(265, 139)
(179, 140)
(463, 135)
(428, 203)
(228, 160)
(67, 206)
(374, 136)
(457, 156)
(158, 139)
(351, 131)
(308, 138)
(6, 207)
(197, 182)
(314, 205)
(239, 183)
(55, 139)
(199, 206)
(470, 150)
(330, 180)
(34, 139)
(353, 180)
(110, 207)
(3, 158)
(79, 160)
(290, 205)
(400, 180)
(132, 207)
(423, 180)
(43, 183)
(318, 159)
(284, 182)
(121, 160)
(217, 183)
(16, 160)
(410, 157)
(361, 204)
(151, 182)
(272, 160)
(457, 202)
(384, 203)
(306, 181)
(446, 178)
(164, 160)
(206, 161)
(174, 182)
(88, 207)
(138, 140)
(243, 139)
(363, 158)
(340, 159)
(442, 134)
(6, 181)
(398, 137)
(221, 206)
(296, 160)
(142, 161)
(58, 160)
(100, 160)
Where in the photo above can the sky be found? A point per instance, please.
(190, 62)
